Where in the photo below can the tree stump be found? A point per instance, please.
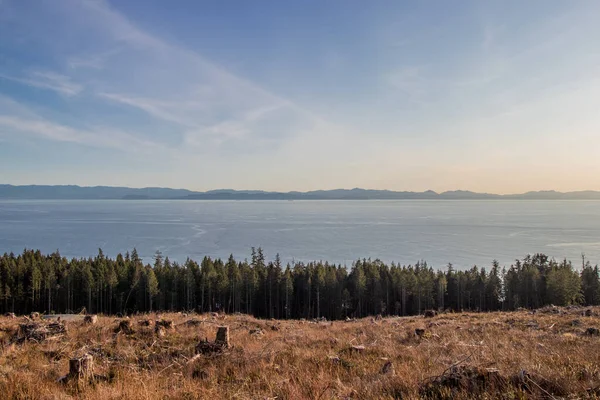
(256, 332)
(10, 315)
(90, 319)
(388, 369)
(81, 368)
(160, 331)
(592, 332)
(34, 315)
(222, 336)
(125, 327)
(165, 323)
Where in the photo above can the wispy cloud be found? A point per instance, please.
(93, 61)
(184, 87)
(168, 111)
(205, 105)
(95, 138)
(17, 119)
(49, 81)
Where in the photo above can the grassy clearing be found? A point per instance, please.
(494, 355)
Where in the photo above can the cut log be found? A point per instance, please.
(39, 331)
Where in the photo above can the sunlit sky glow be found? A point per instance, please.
(489, 96)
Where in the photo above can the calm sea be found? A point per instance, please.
(465, 233)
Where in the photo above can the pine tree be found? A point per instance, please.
(151, 286)
(590, 284)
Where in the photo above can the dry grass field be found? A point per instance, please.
(550, 353)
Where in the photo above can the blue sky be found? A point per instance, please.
(496, 96)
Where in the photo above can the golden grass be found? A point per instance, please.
(486, 354)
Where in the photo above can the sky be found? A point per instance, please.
(489, 96)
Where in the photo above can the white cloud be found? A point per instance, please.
(165, 110)
(61, 133)
(200, 104)
(93, 61)
(48, 80)
(180, 86)
(17, 119)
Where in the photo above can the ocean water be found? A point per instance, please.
(462, 232)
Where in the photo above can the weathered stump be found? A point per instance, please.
(222, 336)
(10, 315)
(592, 332)
(160, 331)
(165, 323)
(81, 368)
(34, 315)
(430, 314)
(388, 369)
(124, 327)
(90, 319)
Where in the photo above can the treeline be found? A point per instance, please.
(51, 283)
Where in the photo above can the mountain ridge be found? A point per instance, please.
(75, 192)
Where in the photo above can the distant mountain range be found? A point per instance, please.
(70, 192)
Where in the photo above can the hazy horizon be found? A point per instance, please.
(491, 97)
(287, 191)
